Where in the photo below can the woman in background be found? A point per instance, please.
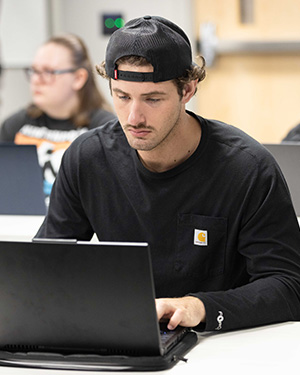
(65, 103)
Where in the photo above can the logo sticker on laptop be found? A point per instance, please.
(200, 237)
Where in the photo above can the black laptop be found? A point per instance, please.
(83, 306)
(21, 181)
(287, 156)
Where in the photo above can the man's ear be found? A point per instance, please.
(81, 76)
(189, 91)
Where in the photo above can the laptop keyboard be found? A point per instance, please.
(170, 338)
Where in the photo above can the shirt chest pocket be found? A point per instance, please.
(201, 244)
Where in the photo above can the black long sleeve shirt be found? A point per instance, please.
(221, 226)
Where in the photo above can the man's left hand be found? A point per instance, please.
(185, 311)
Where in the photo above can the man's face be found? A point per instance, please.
(148, 112)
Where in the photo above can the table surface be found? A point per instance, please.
(273, 349)
(19, 228)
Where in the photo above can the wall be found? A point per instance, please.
(260, 93)
(23, 27)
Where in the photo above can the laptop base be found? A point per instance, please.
(93, 362)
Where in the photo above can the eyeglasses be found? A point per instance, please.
(47, 76)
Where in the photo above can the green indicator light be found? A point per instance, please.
(119, 22)
(109, 23)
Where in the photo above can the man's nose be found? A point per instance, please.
(136, 115)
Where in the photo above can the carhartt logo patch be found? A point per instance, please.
(200, 237)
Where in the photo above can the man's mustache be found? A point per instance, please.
(137, 127)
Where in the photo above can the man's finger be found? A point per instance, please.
(163, 309)
(175, 319)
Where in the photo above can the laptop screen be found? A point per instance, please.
(81, 297)
(83, 306)
(21, 182)
(287, 156)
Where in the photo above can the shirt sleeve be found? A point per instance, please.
(66, 216)
(269, 241)
(11, 126)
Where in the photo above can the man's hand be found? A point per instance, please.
(185, 311)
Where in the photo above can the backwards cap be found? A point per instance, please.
(164, 45)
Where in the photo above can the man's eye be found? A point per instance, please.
(153, 100)
(123, 97)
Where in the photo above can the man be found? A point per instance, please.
(210, 200)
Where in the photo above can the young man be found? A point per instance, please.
(211, 201)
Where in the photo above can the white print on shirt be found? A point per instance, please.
(49, 160)
(51, 145)
(220, 320)
(200, 237)
(52, 135)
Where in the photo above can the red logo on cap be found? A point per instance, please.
(116, 74)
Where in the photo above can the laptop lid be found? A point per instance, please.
(287, 156)
(21, 181)
(80, 298)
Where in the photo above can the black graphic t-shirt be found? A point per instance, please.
(51, 136)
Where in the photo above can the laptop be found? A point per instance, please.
(21, 181)
(287, 156)
(82, 305)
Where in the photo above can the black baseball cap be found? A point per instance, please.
(164, 45)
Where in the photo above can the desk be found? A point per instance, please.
(19, 228)
(273, 349)
(22, 227)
